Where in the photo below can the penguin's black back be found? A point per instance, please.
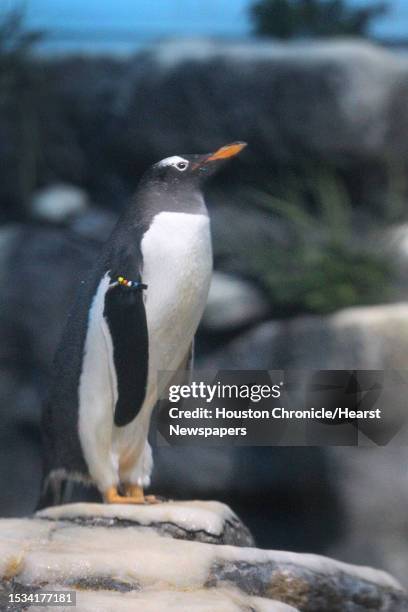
(62, 450)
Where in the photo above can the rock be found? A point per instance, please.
(360, 338)
(200, 600)
(77, 125)
(210, 522)
(119, 558)
(298, 481)
(365, 479)
(327, 99)
(394, 242)
(373, 492)
(343, 103)
(95, 224)
(40, 271)
(40, 274)
(372, 337)
(59, 203)
(232, 303)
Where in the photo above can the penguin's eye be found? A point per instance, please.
(182, 166)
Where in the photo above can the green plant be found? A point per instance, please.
(321, 262)
(310, 18)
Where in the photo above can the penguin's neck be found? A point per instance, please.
(138, 218)
(157, 197)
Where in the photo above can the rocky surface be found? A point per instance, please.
(360, 481)
(233, 303)
(58, 203)
(329, 99)
(344, 103)
(119, 558)
(39, 275)
(209, 522)
(394, 242)
(374, 337)
(367, 479)
(199, 600)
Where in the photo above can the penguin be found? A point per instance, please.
(135, 315)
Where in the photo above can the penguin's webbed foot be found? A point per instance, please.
(133, 495)
(134, 491)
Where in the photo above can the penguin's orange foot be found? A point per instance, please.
(134, 495)
(111, 496)
(134, 491)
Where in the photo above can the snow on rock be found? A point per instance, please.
(207, 521)
(202, 600)
(118, 558)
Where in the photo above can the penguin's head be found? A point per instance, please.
(192, 169)
(174, 184)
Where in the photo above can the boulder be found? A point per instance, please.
(95, 224)
(372, 337)
(373, 492)
(335, 100)
(209, 522)
(232, 303)
(343, 103)
(59, 203)
(125, 558)
(365, 479)
(40, 271)
(394, 242)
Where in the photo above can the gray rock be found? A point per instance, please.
(394, 242)
(372, 337)
(232, 303)
(341, 102)
(95, 224)
(39, 274)
(327, 99)
(366, 479)
(59, 203)
(373, 491)
(115, 567)
(308, 588)
(209, 522)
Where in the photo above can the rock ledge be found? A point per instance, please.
(175, 556)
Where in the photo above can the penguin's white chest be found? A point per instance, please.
(177, 265)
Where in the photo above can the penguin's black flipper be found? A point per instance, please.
(125, 315)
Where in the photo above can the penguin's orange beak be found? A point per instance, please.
(226, 152)
(205, 162)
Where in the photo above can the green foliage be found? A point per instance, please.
(313, 18)
(321, 263)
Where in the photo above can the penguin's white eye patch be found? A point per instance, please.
(182, 166)
(176, 161)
